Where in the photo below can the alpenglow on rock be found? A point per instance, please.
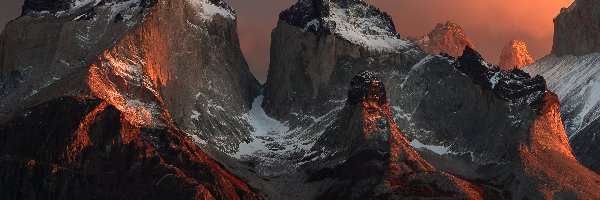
(97, 99)
(447, 38)
(572, 72)
(576, 29)
(515, 55)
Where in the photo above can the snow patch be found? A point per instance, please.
(210, 10)
(264, 128)
(440, 150)
(494, 80)
(366, 31)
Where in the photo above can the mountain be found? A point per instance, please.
(572, 72)
(468, 118)
(101, 92)
(515, 55)
(447, 38)
(197, 85)
(319, 45)
(365, 155)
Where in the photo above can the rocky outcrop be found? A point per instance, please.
(364, 154)
(500, 127)
(576, 29)
(447, 38)
(129, 91)
(515, 55)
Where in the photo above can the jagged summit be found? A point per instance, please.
(353, 20)
(447, 38)
(515, 55)
(515, 86)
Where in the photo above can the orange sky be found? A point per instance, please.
(489, 23)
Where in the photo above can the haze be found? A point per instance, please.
(489, 23)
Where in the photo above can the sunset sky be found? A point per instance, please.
(489, 23)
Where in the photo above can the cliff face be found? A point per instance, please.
(136, 87)
(447, 38)
(515, 55)
(364, 154)
(576, 29)
(466, 114)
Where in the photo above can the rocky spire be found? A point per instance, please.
(515, 55)
(447, 38)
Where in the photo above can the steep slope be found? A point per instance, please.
(575, 81)
(364, 155)
(514, 55)
(447, 38)
(572, 72)
(125, 84)
(71, 148)
(500, 127)
(316, 48)
(209, 85)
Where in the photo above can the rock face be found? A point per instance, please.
(515, 55)
(317, 48)
(89, 85)
(576, 29)
(500, 127)
(364, 154)
(447, 38)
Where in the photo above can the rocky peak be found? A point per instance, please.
(353, 20)
(447, 38)
(576, 29)
(515, 55)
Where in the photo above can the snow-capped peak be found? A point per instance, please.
(354, 21)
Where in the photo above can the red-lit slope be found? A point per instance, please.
(78, 148)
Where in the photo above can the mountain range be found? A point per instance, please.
(153, 99)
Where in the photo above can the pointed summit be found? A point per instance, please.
(447, 38)
(515, 55)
